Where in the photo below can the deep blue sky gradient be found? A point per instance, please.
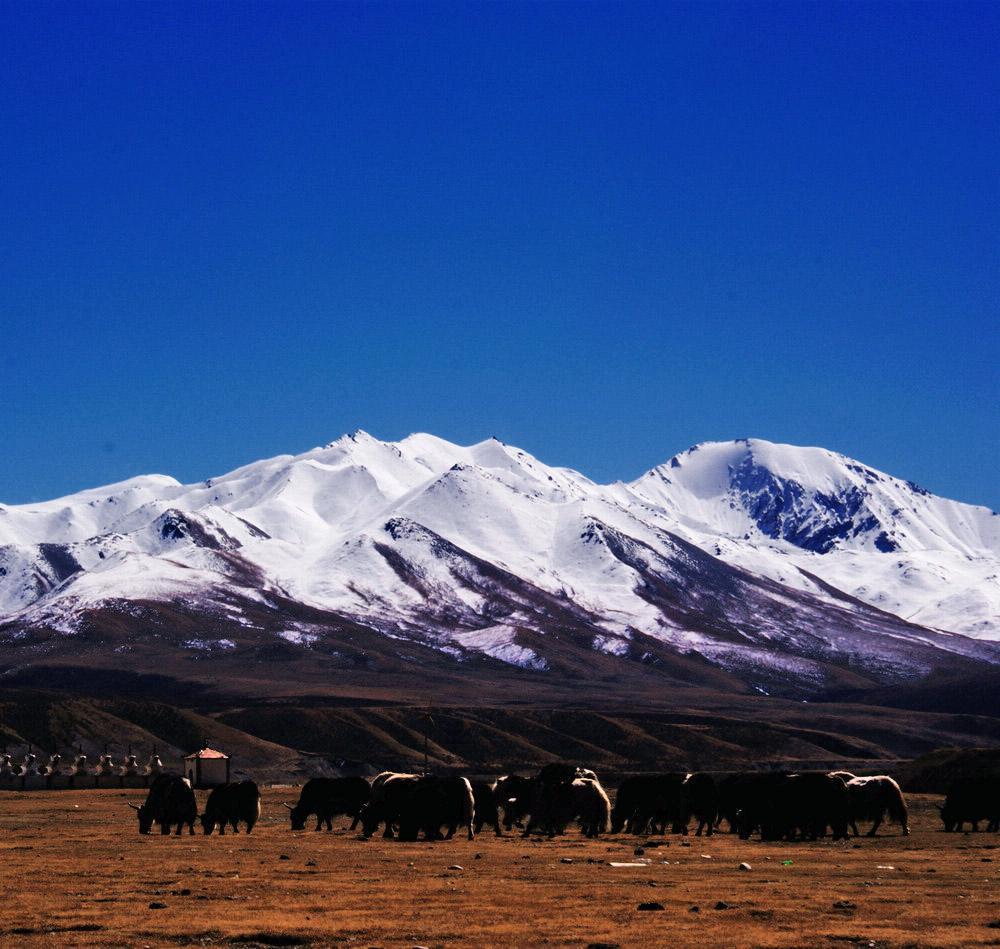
(600, 232)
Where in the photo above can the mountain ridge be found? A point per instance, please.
(784, 567)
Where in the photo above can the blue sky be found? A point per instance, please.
(600, 232)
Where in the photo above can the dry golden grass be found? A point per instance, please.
(74, 872)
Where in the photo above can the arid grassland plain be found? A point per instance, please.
(75, 872)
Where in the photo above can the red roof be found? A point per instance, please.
(206, 753)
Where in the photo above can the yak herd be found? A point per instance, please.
(773, 805)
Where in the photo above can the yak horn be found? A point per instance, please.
(289, 806)
(134, 807)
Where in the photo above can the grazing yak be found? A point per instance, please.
(328, 797)
(647, 799)
(388, 791)
(591, 806)
(743, 797)
(700, 801)
(582, 800)
(872, 798)
(972, 800)
(651, 802)
(170, 802)
(807, 805)
(784, 807)
(487, 804)
(430, 802)
(232, 804)
(549, 799)
(514, 794)
(564, 793)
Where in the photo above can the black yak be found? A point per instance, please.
(232, 804)
(328, 797)
(972, 800)
(170, 802)
(431, 802)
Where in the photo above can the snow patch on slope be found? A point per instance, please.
(499, 643)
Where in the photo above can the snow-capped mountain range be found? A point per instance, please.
(768, 561)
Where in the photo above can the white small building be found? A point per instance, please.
(207, 768)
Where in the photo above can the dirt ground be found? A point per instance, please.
(75, 872)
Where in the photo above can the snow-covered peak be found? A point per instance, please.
(139, 487)
(83, 514)
(716, 466)
(812, 498)
(714, 469)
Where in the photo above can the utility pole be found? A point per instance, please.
(428, 721)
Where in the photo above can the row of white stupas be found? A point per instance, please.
(32, 767)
